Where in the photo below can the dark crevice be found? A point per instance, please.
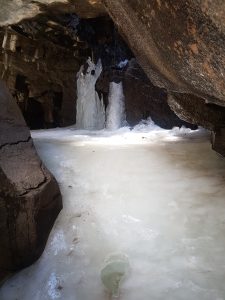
(15, 143)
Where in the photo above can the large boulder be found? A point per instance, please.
(30, 199)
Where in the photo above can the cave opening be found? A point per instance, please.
(129, 157)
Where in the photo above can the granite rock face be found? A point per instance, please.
(30, 199)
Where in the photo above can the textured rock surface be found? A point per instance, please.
(30, 198)
(142, 98)
(180, 45)
(39, 64)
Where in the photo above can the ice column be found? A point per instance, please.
(90, 109)
(116, 107)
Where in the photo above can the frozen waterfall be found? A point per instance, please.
(90, 109)
(116, 107)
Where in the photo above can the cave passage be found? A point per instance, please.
(153, 195)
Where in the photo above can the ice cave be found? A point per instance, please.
(112, 146)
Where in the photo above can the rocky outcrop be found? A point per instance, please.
(142, 98)
(30, 199)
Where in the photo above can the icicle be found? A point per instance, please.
(116, 108)
(4, 45)
(5, 39)
(12, 43)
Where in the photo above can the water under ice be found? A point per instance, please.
(156, 196)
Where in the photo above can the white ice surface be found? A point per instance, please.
(156, 196)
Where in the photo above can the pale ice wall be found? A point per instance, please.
(116, 108)
(90, 109)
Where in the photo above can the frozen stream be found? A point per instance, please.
(156, 196)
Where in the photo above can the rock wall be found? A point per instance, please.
(39, 65)
(30, 199)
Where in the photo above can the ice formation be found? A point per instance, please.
(90, 109)
(116, 108)
(154, 195)
(122, 64)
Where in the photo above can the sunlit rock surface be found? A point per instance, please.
(155, 196)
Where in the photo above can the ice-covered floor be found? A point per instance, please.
(156, 196)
